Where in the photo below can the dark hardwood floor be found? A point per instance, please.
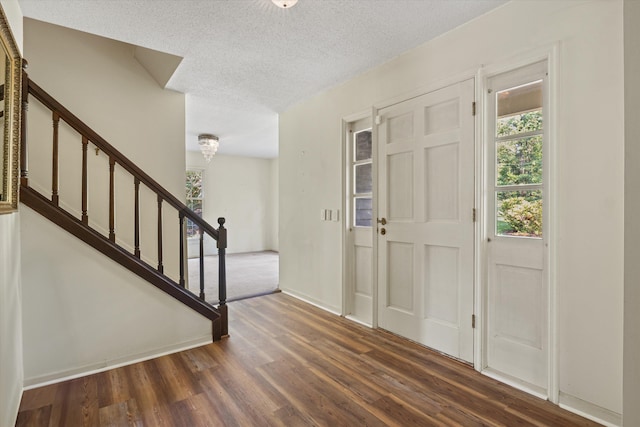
(288, 363)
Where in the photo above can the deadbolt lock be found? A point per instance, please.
(383, 231)
(382, 221)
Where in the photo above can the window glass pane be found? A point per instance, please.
(519, 213)
(196, 206)
(192, 229)
(363, 212)
(362, 145)
(194, 184)
(519, 109)
(363, 179)
(519, 123)
(519, 161)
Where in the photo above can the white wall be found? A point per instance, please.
(275, 203)
(11, 364)
(632, 212)
(240, 190)
(95, 315)
(101, 82)
(590, 157)
(83, 311)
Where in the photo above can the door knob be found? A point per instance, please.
(383, 231)
(382, 221)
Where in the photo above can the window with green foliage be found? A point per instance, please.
(195, 197)
(519, 160)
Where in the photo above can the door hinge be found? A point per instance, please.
(474, 214)
(378, 120)
(473, 321)
(473, 108)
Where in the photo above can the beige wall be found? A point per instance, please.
(83, 311)
(589, 225)
(11, 360)
(240, 189)
(632, 212)
(11, 364)
(100, 81)
(275, 204)
(95, 315)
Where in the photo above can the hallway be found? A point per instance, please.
(248, 274)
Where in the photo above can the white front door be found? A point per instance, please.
(517, 302)
(426, 200)
(359, 150)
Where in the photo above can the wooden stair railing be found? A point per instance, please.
(108, 245)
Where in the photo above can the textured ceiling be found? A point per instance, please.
(247, 60)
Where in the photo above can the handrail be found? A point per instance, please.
(80, 227)
(83, 129)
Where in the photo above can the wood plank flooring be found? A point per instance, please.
(288, 363)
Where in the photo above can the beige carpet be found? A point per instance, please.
(248, 274)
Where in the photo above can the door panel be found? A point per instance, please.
(441, 117)
(400, 270)
(401, 181)
(441, 299)
(441, 177)
(426, 194)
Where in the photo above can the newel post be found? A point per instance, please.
(222, 277)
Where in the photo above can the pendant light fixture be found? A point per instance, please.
(208, 145)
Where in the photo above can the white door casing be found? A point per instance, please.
(426, 197)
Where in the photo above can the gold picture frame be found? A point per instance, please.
(10, 118)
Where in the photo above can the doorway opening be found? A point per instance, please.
(249, 274)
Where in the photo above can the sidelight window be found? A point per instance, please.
(362, 168)
(519, 161)
(195, 198)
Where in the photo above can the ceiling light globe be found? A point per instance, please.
(285, 4)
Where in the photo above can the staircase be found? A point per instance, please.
(106, 241)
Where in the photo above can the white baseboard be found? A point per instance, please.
(94, 368)
(516, 383)
(590, 411)
(312, 301)
(358, 321)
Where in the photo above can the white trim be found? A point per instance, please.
(479, 238)
(590, 411)
(346, 254)
(531, 389)
(428, 88)
(310, 300)
(520, 60)
(94, 368)
(358, 321)
(374, 214)
(553, 68)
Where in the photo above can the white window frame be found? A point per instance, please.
(187, 199)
